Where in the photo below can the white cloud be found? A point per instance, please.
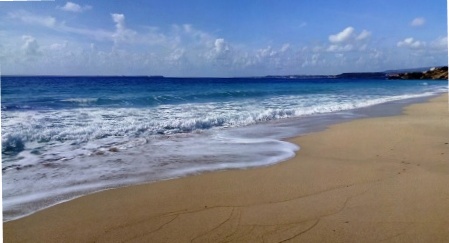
(198, 36)
(285, 47)
(121, 34)
(347, 40)
(52, 23)
(76, 8)
(343, 36)
(97, 34)
(441, 43)
(348, 35)
(313, 60)
(30, 18)
(177, 54)
(72, 7)
(177, 58)
(364, 35)
(340, 48)
(266, 52)
(221, 46)
(280, 59)
(420, 21)
(119, 20)
(221, 53)
(411, 43)
(58, 46)
(30, 47)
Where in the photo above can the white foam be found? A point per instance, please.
(81, 100)
(48, 183)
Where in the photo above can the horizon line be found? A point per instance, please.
(255, 76)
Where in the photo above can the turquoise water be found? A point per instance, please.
(66, 136)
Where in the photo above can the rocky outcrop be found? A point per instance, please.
(439, 73)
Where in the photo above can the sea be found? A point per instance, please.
(64, 137)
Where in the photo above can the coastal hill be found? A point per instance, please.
(435, 73)
(439, 73)
(367, 75)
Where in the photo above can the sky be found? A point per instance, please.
(222, 38)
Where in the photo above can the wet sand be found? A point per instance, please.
(369, 180)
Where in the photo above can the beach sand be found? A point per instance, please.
(369, 180)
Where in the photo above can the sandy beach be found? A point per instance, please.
(370, 180)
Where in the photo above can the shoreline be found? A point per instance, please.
(306, 125)
(279, 130)
(284, 199)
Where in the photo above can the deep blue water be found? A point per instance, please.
(66, 136)
(73, 92)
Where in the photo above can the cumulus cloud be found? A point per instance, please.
(30, 18)
(121, 33)
(343, 36)
(221, 46)
(348, 40)
(76, 8)
(364, 35)
(420, 21)
(221, 53)
(411, 43)
(280, 59)
(119, 20)
(30, 47)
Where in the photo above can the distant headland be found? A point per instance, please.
(435, 73)
(438, 73)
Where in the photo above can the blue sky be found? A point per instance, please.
(220, 38)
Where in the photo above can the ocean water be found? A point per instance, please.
(63, 137)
